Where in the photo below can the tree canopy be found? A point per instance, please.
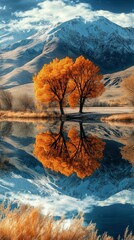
(51, 83)
(65, 78)
(87, 79)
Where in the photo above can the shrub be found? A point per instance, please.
(6, 100)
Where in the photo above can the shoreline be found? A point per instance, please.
(86, 116)
(25, 115)
(122, 117)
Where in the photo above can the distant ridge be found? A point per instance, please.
(105, 43)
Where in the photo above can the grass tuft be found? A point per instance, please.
(26, 115)
(27, 223)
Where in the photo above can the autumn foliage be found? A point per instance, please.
(87, 79)
(51, 83)
(69, 153)
(65, 79)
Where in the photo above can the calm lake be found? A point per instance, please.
(68, 168)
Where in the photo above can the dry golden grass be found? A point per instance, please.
(26, 115)
(27, 223)
(119, 117)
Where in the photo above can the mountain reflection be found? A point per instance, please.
(69, 152)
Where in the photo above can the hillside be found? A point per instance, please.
(107, 44)
(113, 94)
(114, 90)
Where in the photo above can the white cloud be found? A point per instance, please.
(122, 19)
(3, 8)
(59, 11)
(50, 11)
(23, 24)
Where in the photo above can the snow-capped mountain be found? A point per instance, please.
(107, 44)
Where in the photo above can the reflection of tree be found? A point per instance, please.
(127, 151)
(68, 154)
(85, 152)
(51, 149)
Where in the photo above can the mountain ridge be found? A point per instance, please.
(103, 42)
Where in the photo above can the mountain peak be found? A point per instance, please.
(108, 45)
(95, 26)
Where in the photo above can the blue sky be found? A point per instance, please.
(20, 18)
(116, 6)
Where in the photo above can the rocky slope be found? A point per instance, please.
(107, 44)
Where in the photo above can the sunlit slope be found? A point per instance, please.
(114, 90)
(105, 43)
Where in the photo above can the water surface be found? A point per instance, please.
(66, 168)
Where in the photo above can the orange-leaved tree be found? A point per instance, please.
(51, 83)
(87, 79)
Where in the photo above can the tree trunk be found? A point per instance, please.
(81, 129)
(61, 108)
(81, 108)
(61, 127)
(82, 132)
(81, 105)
